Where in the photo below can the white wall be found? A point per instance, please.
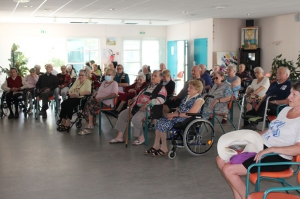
(190, 31)
(278, 35)
(227, 35)
(13, 33)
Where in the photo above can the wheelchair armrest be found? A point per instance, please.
(106, 98)
(193, 114)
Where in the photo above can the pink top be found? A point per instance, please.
(107, 89)
(31, 81)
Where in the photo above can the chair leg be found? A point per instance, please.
(99, 121)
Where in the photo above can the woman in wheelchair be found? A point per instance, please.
(222, 93)
(108, 89)
(282, 137)
(192, 103)
(154, 94)
(81, 87)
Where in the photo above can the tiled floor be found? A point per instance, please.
(37, 162)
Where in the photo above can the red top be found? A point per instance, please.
(133, 86)
(17, 83)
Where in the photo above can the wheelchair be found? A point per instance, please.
(24, 103)
(195, 134)
(79, 111)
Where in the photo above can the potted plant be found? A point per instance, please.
(294, 70)
(17, 60)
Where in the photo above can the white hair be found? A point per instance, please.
(259, 69)
(232, 67)
(287, 71)
(145, 66)
(141, 75)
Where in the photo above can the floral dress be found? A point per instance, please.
(164, 125)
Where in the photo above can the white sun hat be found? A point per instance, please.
(252, 140)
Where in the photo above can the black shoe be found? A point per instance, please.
(11, 115)
(44, 114)
(41, 112)
(16, 116)
(251, 126)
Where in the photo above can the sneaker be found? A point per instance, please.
(11, 115)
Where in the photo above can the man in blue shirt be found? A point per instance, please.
(206, 77)
(121, 77)
(280, 89)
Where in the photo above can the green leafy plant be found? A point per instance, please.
(278, 62)
(17, 60)
(56, 62)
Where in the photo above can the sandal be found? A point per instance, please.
(84, 132)
(62, 128)
(150, 151)
(89, 126)
(159, 152)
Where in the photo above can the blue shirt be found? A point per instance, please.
(206, 77)
(118, 78)
(282, 91)
(236, 88)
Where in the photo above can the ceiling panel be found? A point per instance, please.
(170, 11)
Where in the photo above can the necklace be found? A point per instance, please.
(107, 85)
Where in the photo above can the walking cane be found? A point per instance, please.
(127, 129)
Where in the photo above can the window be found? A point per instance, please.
(81, 51)
(138, 52)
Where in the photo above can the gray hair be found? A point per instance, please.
(232, 67)
(202, 66)
(32, 70)
(37, 66)
(157, 71)
(259, 69)
(287, 71)
(145, 66)
(141, 75)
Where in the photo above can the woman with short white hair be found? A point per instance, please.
(258, 88)
(233, 79)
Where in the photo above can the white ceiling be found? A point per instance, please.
(142, 12)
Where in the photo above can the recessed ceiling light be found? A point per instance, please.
(220, 7)
(184, 12)
(47, 10)
(22, 1)
(113, 9)
(27, 6)
(247, 14)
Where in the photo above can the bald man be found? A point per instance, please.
(243, 74)
(205, 76)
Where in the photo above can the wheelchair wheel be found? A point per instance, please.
(172, 155)
(198, 137)
(78, 125)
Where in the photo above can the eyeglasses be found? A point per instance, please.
(215, 78)
(108, 74)
(119, 68)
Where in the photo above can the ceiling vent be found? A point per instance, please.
(131, 23)
(77, 22)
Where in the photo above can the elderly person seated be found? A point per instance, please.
(93, 79)
(31, 80)
(258, 88)
(168, 82)
(146, 71)
(13, 85)
(81, 87)
(38, 70)
(131, 91)
(64, 80)
(286, 144)
(234, 80)
(108, 89)
(162, 67)
(175, 101)
(216, 68)
(222, 93)
(96, 71)
(154, 95)
(192, 103)
(111, 65)
(205, 76)
(280, 89)
(243, 74)
(121, 78)
(45, 88)
(72, 72)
